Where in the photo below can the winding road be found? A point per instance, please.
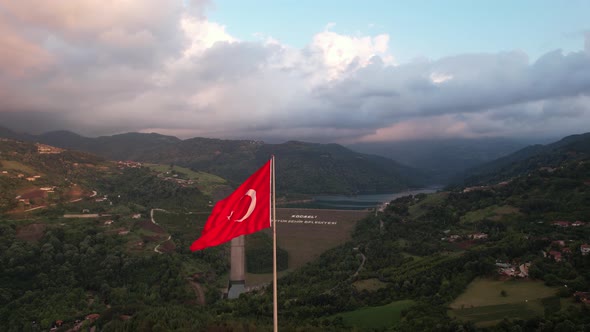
(155, 223)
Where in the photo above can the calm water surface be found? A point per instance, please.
(358, 202)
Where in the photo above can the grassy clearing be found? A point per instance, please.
(493, 314)
(16, 166)
(483, 303)
(419, 209)
(370, 285)
(376, 317)
(493, 212)
(482, 292)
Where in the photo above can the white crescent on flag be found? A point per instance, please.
(252, 194)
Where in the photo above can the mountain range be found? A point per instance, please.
(307, 168)
(443, 159)
(549, 156)
(312, 168)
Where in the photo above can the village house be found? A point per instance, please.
(454, 238)
(524, 270)
(136, 216)
(559, 243)
(556, 255)
(478, 188)
(502, 264)
(583, 297)
(478, 236)
(585, 249)
(92, 317)
(128, 164)
(4, 172)
(25, 201)
(47, 149)
(521, 271)
(31, 179)
(108, 222)
(561, 223)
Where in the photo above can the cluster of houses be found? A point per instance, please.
(558, 250)
(482, 188)
(474, 236)
(22, 176)
(31, 178)
(102, 199)
(77, 323)
(513, 270)
(566, 224)
(48, 149)
(181, 182)
(128, 164)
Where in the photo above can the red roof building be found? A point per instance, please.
(562, 223)
(556, 255)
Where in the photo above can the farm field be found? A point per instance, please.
(16, 166)
(206, 182)
(376, 317)
(483, 302)
(493, 212)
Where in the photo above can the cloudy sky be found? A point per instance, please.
(340, 71)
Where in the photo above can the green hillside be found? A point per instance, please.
(575, 147)
(31, 178)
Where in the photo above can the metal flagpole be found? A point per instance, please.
(274, 252)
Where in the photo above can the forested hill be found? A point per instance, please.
(443, 158)
(301, 167)
(574, 147)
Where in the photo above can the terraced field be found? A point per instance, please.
(376, 317)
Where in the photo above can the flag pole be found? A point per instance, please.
(274, 252)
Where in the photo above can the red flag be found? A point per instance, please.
(245, 211)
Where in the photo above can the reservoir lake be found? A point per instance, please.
(357, 202)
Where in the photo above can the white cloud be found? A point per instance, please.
(440, 77)
(140, 67)
(341, 53)
(202, 34)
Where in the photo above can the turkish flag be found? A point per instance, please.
(245, 211)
